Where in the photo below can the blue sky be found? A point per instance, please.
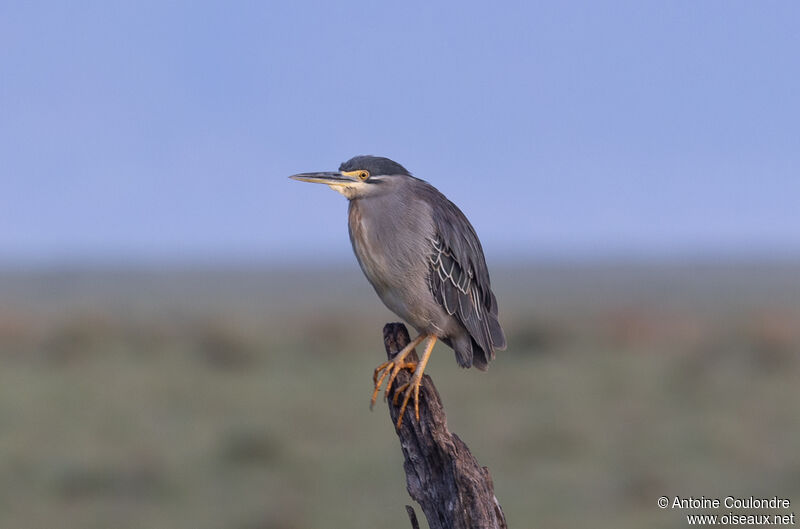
(166, 130)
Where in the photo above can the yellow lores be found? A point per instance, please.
(361, 174)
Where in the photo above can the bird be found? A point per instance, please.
(424, 260)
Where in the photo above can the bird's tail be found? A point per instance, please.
(470, 353)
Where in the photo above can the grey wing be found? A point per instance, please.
(459, 281)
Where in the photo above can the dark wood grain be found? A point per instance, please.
(452, 488)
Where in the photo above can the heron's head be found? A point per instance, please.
(359, 176)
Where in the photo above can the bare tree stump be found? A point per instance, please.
(454, 491)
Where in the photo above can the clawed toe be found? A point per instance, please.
(391, 369)
(388, 369)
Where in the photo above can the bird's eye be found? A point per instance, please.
(361, 174)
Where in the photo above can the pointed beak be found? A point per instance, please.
(329, 178)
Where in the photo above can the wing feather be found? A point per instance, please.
(459, 281)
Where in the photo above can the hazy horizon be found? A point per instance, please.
(159, 131)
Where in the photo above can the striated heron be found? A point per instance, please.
(424, 260)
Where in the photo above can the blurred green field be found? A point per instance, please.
(238, 398)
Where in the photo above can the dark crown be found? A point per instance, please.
(376, 165)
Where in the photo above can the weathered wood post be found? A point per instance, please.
(454, 491)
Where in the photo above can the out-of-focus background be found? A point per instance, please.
(186, 341)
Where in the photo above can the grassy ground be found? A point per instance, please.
(207, 399)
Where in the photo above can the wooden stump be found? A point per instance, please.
(454, 491)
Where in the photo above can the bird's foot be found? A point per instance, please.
(388, 369)
(394, 366)
(412, 387)
(406, 390)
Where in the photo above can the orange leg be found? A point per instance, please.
(414, 384)
(392, 368)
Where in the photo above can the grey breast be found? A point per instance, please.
(392, 242)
